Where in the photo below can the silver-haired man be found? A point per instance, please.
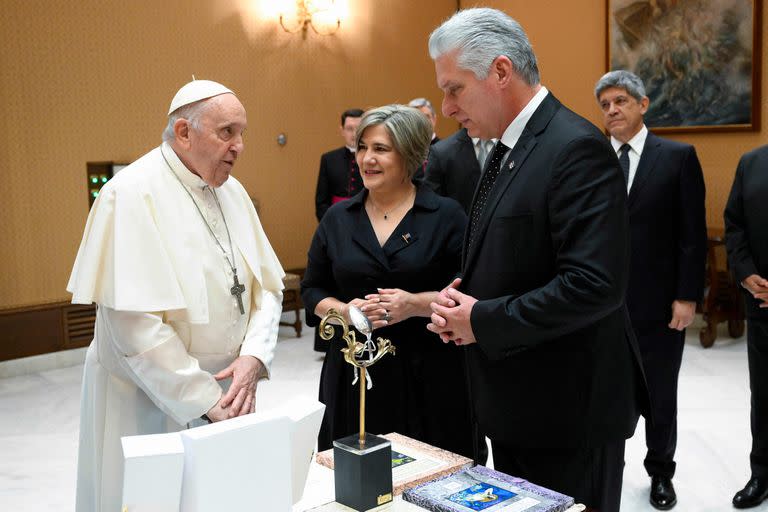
(668, 240)
(553, 367)
(424, 106)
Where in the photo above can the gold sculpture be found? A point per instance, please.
(355, 353)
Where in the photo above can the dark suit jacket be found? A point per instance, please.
(555, 364)
(667, 230)
(452, 169)
(338, 176)
(746, 224)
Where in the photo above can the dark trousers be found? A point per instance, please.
(661, 350)
(757, 355)
(592, 475)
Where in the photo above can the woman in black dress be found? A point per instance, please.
(387, 250)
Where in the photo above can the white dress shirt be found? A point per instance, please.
(636, 144)
(481, 153)
(515, 129)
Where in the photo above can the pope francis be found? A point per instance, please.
(188, 289)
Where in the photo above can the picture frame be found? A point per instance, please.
(699, 60)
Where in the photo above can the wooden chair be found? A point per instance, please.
(292, 300)
(723, 301)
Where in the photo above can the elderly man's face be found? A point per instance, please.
(473, 103)
(622, 113)
(216, 144)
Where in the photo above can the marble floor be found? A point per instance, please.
(39, 400)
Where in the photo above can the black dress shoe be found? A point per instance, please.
(663, 495)
(753, 494)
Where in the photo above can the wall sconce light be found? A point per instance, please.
(320, 15)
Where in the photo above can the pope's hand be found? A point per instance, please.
(245, 372)
(217, 413)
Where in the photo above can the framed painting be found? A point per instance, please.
(699, 60)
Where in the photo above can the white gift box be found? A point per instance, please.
(152, 472)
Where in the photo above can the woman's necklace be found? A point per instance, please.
(387, 213)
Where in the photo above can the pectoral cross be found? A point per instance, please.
(237, 290)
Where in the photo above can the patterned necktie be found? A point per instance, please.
(486, 185)
(624, 161)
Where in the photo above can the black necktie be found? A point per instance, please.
(486, 185)
(624, 161)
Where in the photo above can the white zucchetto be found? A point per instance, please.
(196, 90)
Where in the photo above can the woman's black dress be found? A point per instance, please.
(421, 391)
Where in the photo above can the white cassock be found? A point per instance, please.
(166, 320)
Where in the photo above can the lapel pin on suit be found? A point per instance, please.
(407, 238)
(511, 164)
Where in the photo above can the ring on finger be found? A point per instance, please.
(386, 316)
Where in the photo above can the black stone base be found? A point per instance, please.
(362, 472)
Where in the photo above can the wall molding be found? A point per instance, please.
(44, 328)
